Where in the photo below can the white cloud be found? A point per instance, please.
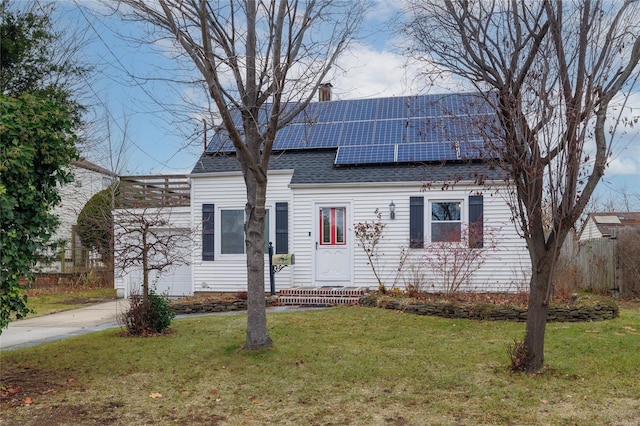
(626, 159)
(365, 72)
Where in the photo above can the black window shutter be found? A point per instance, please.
(282, 227)
(476, 226)
(416, 222)
(207, 232)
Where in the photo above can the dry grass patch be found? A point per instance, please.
(348, 365)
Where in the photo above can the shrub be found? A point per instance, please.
(519, 355)
(162, 315)
(147, 316)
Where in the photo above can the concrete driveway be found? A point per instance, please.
(33, 331)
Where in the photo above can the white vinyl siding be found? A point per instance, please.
(228, 272)
(506, 268)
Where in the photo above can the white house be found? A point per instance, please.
(89, 178)
(601, 225)
(339, 164)
(417, 161)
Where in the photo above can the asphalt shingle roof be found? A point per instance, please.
(317, 167)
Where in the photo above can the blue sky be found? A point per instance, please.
(132, 94)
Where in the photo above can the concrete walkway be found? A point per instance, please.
(33, 331)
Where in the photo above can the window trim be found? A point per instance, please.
(460, 222)
(416, 223)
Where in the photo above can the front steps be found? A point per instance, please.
(321, 296)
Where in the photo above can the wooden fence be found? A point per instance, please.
(609, 265)
(154, 191)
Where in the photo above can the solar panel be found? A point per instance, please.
(384, 130)
(356, 133)
(288, 137)
(390, 131)
(322, 135)
(220, 142)
(365, 154)
(315, 112)
(418, 152)
(424, 130)
(329, 112)
(389, 108)
(473, 150)
(361, 109)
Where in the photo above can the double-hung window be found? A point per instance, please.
(232, 231)
(446, 221)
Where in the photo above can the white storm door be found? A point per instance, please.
(333, 264)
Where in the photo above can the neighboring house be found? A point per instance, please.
(339, 164)
(89, 178)
(600, 225)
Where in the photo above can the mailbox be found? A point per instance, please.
(283, 259)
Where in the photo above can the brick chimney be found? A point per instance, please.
(324, 92)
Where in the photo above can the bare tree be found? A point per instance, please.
(253, 54)
(369, 236)
(552, 71)
(146, 238)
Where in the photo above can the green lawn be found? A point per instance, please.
(351, 365)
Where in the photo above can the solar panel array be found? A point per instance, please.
(384, 130)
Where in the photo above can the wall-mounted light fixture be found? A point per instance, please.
(392, 210)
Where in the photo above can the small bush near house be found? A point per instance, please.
(149, 316)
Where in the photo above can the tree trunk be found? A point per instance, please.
(257, 334)
(145, 264)
(537, 310)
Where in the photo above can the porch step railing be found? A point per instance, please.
(321, 296)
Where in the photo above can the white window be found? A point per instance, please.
(232, 231)
(446, 221)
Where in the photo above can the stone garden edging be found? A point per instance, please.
(491, 312)
(487, 311)
(210, 305)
